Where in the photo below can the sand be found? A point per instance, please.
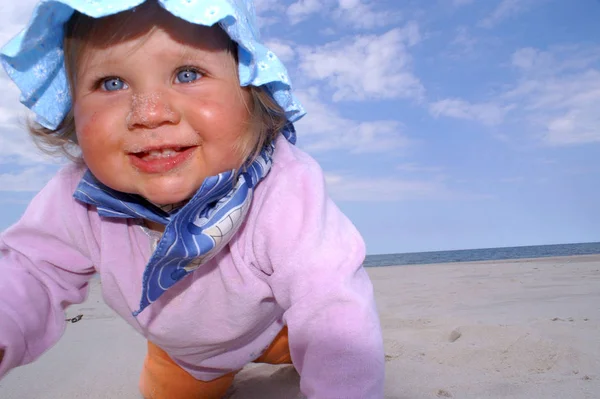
(512, 329)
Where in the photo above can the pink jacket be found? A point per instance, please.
(296, 261)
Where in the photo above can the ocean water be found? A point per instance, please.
(470, 255)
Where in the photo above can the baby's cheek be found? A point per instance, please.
(97, 144)
(83, 120)
(84, 130)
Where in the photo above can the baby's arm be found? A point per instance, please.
(44, 267)
(313, 262)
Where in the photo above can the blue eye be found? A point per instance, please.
(187, 76)
(113, 84)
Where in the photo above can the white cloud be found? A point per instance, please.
(301, 9)
(528, 58)
(382, 189)
(570, 117)
(555, 98)
(358, 14)
(343, 188)
(574, 127)
(362, 15)
(504, 10)
(535, 62)
(559, 92)
(487, 113)
(463, 43)
(263, 6)
(568, 91)
(31, 179)
(366, 66)
(15, 14)
(284, 51)
(15, 144)
(10, 97)
(268, 12)
(17, 148)
(323, 129)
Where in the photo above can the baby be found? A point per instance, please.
(212, 234)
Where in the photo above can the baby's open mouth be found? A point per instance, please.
(160, 153)
(161, 159)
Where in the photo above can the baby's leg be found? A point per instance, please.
(279, 350)
(162, 378)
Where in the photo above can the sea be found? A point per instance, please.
(472, 255)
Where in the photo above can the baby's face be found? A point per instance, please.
(157, 113)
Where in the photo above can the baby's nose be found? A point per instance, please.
(151, 110)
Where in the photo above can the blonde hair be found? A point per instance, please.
(266, 117)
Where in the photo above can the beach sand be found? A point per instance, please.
(511, 329)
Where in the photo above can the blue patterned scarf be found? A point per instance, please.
(194, 233)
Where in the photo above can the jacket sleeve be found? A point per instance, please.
(312, 256)
(44, 267)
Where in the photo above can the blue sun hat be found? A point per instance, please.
(34, 59)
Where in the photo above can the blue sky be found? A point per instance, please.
(440, 124)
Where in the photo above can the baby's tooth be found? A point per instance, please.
(164, 153)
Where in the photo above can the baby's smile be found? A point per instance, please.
(161, 159)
